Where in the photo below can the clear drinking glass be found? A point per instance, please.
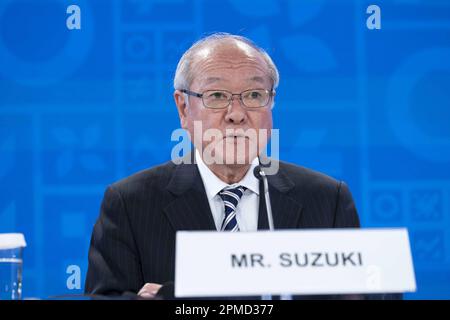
(11, 262)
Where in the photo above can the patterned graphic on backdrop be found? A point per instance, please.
(409, 136)
(80, 109)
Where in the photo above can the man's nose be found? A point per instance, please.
(236, 113)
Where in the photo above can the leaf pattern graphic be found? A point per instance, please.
(300, 12)
(308, 53)
(65, 136)
(92, 162)
(64, 164)
(91, 136)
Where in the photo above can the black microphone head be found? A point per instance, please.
(257, 172)
(166, 292)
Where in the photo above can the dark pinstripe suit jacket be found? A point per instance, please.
(133, 241)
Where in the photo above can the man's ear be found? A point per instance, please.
(181, 103)
(273, 99)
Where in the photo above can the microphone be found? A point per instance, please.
(261, 176)
(166, 292)
(259, 173)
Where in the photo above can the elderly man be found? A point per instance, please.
(226, 83)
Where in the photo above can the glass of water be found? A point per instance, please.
(11, 247)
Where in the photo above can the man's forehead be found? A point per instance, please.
(214, 79)
(236, 58)
(227, 50)
(225, 45)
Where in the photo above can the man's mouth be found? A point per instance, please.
(235, 136)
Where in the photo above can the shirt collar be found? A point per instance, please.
(213, 185)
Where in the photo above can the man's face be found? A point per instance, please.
(234, 68)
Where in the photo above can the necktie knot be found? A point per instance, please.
(231, 198)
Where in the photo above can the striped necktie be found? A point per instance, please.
(231, 199)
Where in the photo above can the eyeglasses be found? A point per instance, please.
(220, 99)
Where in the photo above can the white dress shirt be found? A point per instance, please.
(248, 207)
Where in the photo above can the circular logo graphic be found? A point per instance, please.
(66, 59)
(401, 88)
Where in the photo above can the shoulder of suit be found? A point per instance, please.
(304, 177)
(158, 175)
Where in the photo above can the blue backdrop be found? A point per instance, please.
(80, 109)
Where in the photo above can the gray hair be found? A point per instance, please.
(183, 76)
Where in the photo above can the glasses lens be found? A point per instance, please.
(216, 99)
(255, 98)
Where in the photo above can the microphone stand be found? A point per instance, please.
(267, 199)
(261, 175)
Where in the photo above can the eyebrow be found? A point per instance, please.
(212, 80)
(257, 79)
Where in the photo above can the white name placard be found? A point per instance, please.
(326, 261)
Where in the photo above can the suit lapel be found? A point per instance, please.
(286, 210)
(190, 209)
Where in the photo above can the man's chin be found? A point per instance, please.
(230, 154)
(229, 160)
